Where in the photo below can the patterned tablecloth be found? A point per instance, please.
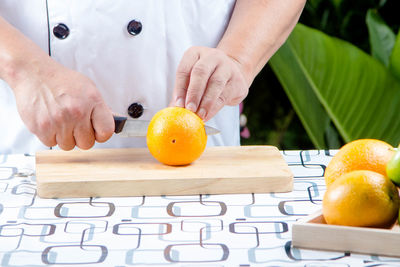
(206, 230)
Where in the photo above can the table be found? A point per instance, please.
(202, 230)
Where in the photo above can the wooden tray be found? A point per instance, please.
(134, 172)
(312, 232)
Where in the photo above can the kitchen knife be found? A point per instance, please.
(138, 128)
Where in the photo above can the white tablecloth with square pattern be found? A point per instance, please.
(201, 230)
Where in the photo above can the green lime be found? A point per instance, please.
(393, 168)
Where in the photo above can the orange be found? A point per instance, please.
(362, 154)
(361, 198)
(176, 136)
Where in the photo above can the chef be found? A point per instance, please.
(67, 66)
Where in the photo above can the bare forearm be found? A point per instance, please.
(207, 79)
(17, 54)
(60, 106)
(257, 29)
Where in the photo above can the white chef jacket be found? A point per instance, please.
(126, 68)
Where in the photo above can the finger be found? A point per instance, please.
(215, 86)
(50, 142)
(84, 134)
(232, 95)
(238, 88)
(218, 105)
(48, 139)
(65, 138)
(183, 77)
(44, 131)
(102, 122)
(199, 77)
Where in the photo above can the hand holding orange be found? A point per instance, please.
(176, 136)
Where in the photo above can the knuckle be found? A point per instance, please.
(242, 94)
(208, 101)
(235, 101)
(200, 70)
(72, 111)
(42, 125)
(76, 112)
(93, 96)
(216, 53)
(221, 100)
(238, 93)
(183, 72)
(193, 95)
(58, 117)
(217, 81)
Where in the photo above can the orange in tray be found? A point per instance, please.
(362, 154)
(176, 136)
(361, 198)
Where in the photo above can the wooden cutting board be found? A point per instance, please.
(134, 172)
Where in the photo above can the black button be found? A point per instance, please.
(61, 31)
(135, 110)
(134, 27)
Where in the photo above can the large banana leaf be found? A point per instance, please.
(381, 37)
(395, 58)
(327, 78)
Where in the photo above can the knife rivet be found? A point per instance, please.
(135, 110)
(61, 31)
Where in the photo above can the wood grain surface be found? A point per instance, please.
(312, 232)
(134, 172)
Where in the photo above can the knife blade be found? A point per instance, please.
(138, 128)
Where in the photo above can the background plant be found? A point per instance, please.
(271, 117)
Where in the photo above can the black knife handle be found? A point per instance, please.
(119, 123)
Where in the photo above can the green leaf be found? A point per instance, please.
(332, 137)
(337, 3)
(289, 69)
(330, 79)
(395, 58)
(381, 3)
(314, 3)
(307, 106)
(381, 37)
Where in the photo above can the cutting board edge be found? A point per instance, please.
(44, 177)
(178, 187)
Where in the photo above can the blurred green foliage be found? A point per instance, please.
(270, 116)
